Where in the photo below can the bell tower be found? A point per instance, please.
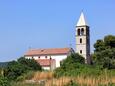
(83, 39)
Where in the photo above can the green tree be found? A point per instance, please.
(104, 54)
(72, 59)
(17, 68)
(99, 45)
(30, 63)
(110, 41)
(70, 65)
(4, 81)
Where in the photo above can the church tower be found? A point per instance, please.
(83, 39)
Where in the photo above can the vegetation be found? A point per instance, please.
(72, 72)
(104, 54)
(3, 64)
(18, 68)
(4, 81)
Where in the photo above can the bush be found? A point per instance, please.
(70, 66)
(26, 76)
(4, 81)
(30, 63)
(16, 69)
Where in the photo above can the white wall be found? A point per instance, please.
(46, 68)
(58, 58)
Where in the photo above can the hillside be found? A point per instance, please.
(3, 64)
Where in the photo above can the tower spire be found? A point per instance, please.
(83, 39)
(82, 20)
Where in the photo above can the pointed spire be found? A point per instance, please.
(82, 20)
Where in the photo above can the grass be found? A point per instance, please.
(105, 79)
(82, 81)
(42, 76)
(23, 84)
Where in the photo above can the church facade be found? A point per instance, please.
(50, 59)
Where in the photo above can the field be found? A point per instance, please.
(48, 79)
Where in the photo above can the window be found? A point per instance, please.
(81, 51)
(46, 57)
(80, 40)
(78, 31)
(82, 31)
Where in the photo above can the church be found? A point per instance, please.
(50, 58)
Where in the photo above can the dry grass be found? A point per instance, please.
(80, 80)
(58, 82)
(87, 81)
(42, 76)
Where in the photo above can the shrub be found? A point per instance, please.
(30, 63)
(15, 70)
(4, 81)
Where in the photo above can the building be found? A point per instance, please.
(50, 58)
(83, 38)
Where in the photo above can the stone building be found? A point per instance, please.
(83, 38)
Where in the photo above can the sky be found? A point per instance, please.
(26, 24)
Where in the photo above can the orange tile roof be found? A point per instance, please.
(45, 62)
(50, 51)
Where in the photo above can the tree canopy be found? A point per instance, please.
(104, 53)
(70, 65)
(15, 69)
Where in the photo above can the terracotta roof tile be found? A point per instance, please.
(50, 51)
(45, 62)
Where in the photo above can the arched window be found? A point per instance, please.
(80, 40)
(78, 31)
(82, 31)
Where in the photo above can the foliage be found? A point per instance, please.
(26, 76)
(15, 69)
(31, 63)
(104, 54)
(70, 65)
(4, 81)
(99, 46)
(79, 69)
(73, 58)
(3, 64)
(110, 41)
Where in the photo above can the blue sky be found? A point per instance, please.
(50, 23)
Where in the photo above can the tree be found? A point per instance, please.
(30, 63)
(4, 81)
(72, 62)
(109, 41)
(73, 58)
(104, 54)
(70, 65)
(99, 45)
(17, 68)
